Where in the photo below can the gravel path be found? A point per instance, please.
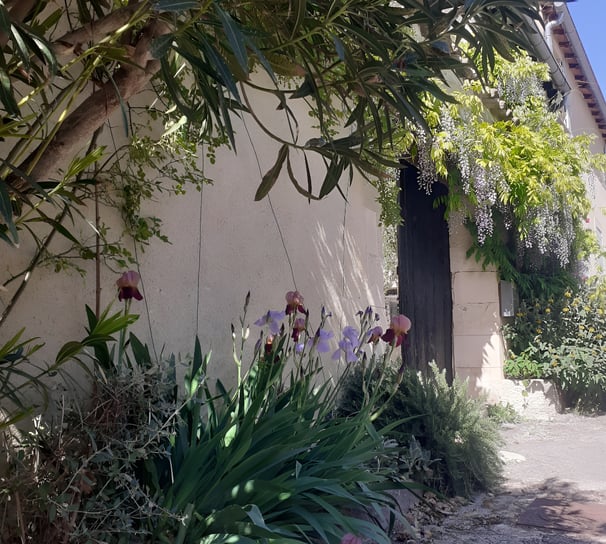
(564, 458)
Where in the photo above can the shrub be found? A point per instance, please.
(20, 382)
(565, 340)
(502, 413)
(268, 460)
(442, 418)
(523, 366)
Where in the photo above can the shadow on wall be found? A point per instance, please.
(224, 244)
(478, 359)
(350, 271)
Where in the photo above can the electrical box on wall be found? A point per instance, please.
(507, 296)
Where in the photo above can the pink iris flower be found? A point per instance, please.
(398, 329)
(128, 286)
(298, 327)
(294, 302)
(351, 539)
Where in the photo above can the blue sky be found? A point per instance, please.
(589, 17)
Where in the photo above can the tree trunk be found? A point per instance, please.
(80, 125)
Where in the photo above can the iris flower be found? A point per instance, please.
(321, 341)
(348, 345)
(272, 319)
(294, 302)
(374, 334)
(398, 329)
(298, 327)
(127, 286)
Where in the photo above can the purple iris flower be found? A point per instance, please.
(271, 319)
(348, 345)
(352, 335)
(374, 334)
(321, 341)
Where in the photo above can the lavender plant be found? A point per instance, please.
(459, 447)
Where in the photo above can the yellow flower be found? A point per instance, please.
(547, 310)
(554, 363)
(550, 301)
(567, 294)
(600, 311)
(566, 309)
(539, 331)
(591, 329)
(520, 314)
(581, 327)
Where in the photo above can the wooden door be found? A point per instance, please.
(424, 274)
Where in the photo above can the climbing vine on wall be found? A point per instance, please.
(505, 153)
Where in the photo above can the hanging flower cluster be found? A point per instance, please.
(523, 165)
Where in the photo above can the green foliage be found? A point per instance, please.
(70, 72)
(390, 257)
(20, 381)
(388, 196)
(363, 56)
(494, 251)
(502, 413)
(563, 339)
(24, 382)
(263, 453)
(148, 169)
(147, 461)
(516, 174)
(100, 331)
(445, 421)
(523, 365)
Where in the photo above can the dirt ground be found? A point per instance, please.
(563, 458)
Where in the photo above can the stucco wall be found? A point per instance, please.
(579, 120)
(478, 349)
(223, 244)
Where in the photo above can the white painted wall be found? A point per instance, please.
(222, 245)
(478, 347)
(582, 122)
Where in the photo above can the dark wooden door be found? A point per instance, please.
(425, 279)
